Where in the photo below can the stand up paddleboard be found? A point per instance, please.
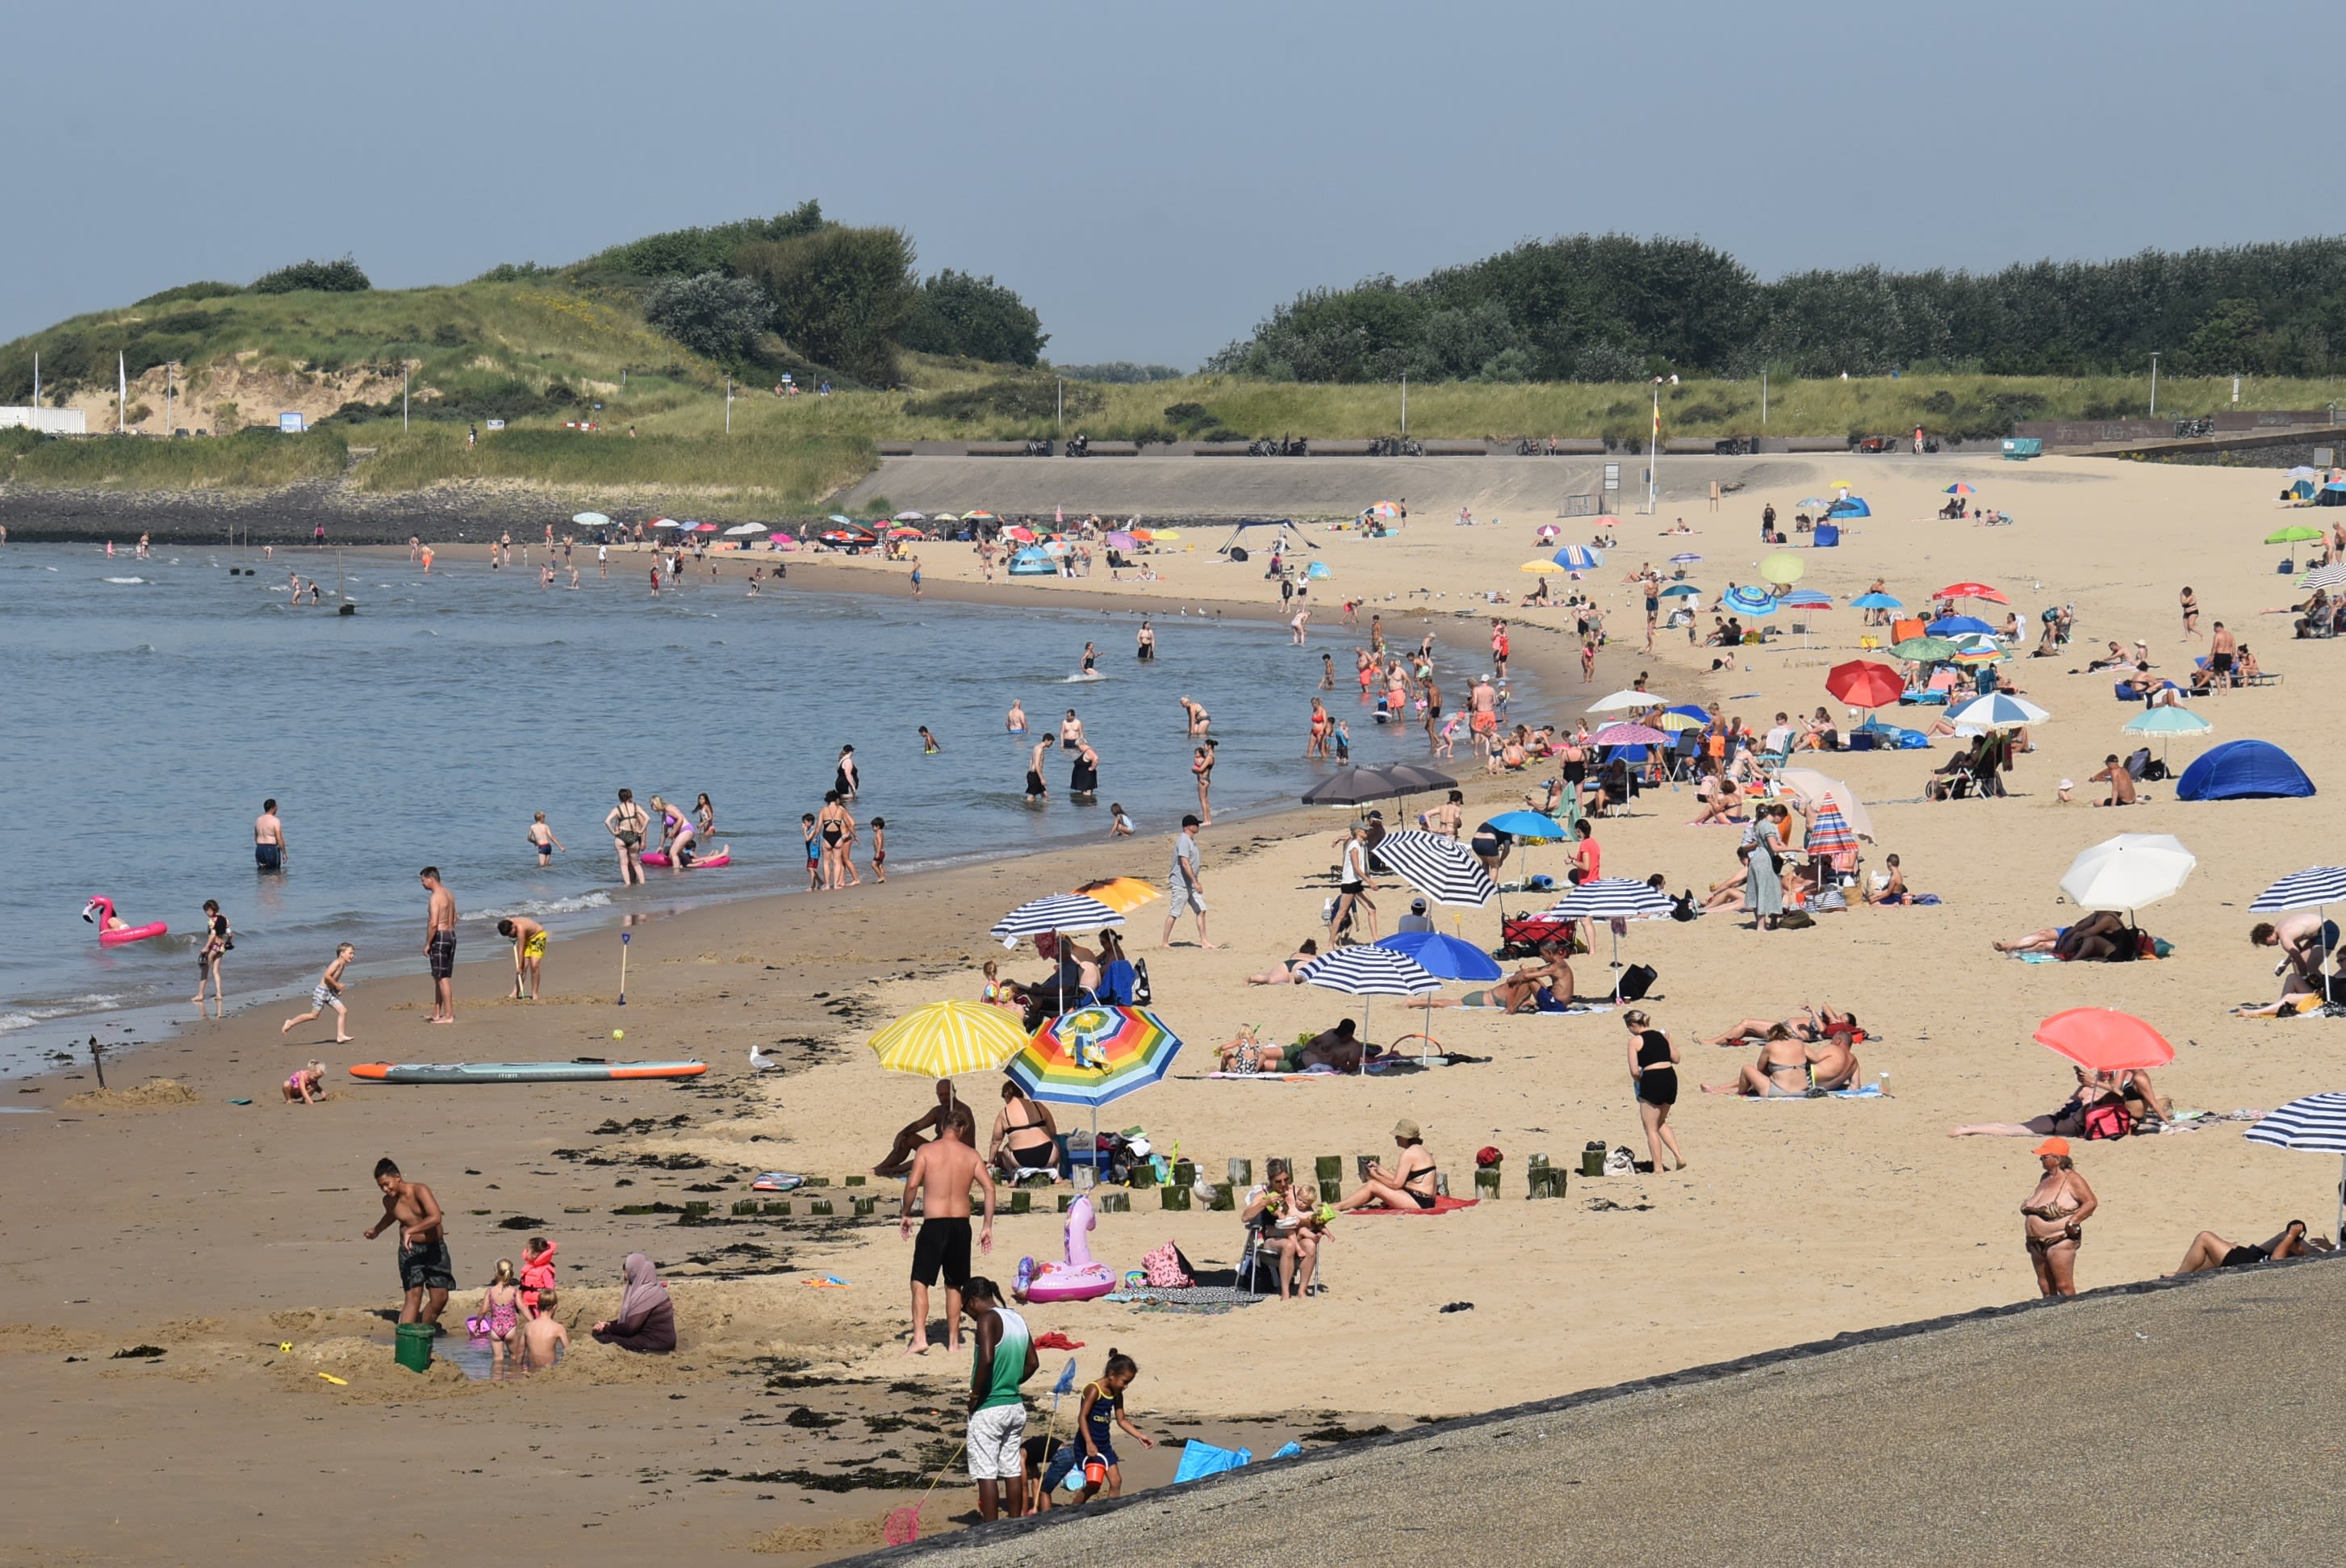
(700, 862)
(583, 1072)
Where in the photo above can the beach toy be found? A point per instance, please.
(619, 1034)
(777, 1181)
(723, 857)
(1078, 1279)
(100, 910)
(828, 1282)
(580, 1072)
(338, 1382)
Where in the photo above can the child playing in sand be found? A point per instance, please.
(542, 1341)
(542, 839)
(528, 938)
(1102, 1402)
(302, 1087)
(501, 1313)
(1119, 825)
(328, 993)
(537, 1292)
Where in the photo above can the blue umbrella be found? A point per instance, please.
(1950, 624)
(1876, 602)
(1447, 957)
(1530, 827)
(1681, 591)
(1578, 558)
(1751, 601)
(1685, 559)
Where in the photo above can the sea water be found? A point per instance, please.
(151, 706)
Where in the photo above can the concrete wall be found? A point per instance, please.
(47, 421)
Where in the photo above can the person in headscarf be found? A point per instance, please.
(646, 1319)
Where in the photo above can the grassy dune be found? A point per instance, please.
(750, 472)
(254, 459)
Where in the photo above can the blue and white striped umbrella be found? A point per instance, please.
(1369, 971)
(1611, 898)
(1057, 912)
(1578, 558)
(2317, 1123)
(2312, 888)
(1998, 711)
(1438, 866)
(1747, 601)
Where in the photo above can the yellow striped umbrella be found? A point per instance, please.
(1674, 722)
(946, 1038)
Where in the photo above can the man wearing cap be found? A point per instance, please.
(1185, 888)
(1417, 919)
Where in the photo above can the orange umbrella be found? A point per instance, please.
(2102, 1039)
(1862, 683)
(1122, 894)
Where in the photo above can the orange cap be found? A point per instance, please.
(2054, 1146)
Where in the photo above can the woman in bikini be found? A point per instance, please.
(1408, 1187)
(1201, 765)
(1289, 972)
(2054, 1217)
(627, 822)
(1781, 1073)
(1024, 1136)
(2066, 1120)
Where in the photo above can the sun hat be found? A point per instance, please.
(2054, 1146)
(1405, 1128)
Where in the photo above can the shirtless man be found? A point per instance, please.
(2223, 654)
(528, 938)
(423, 1262)
(1014, 721)
(543, 1337)
(1035, 789)
(440, 947)
(269, 839)
(942, 1173)
(2121, 782)
(911, 1140)
(1071, 731)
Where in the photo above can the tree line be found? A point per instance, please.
(1606, 307)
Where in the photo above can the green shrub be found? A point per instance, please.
(1011, 398)
(340, 277)
(841, 295)
(688, 252)
(973, 317)
(192, 291)
(712, 313)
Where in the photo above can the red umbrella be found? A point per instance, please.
(2104, 1041)
(1972, 591)
(1862, 683)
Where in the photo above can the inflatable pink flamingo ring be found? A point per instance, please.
(1076, 1279)
(113, 931)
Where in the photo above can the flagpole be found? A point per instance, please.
(121, 394)
(1653, 451)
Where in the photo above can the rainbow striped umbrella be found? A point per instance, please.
(1828, 830)
(1095, 1055)
(946, 1038)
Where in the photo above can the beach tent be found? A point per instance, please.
(2302, 488)
(1287, 537)
(2332, 495)
(2242, 769)
(1849, 506)
(1033, 563)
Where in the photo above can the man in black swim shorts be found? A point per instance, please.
(440, 947)
(941, 1176)
(425, 1268)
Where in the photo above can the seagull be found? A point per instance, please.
(759, 1061)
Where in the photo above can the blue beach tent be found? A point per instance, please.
(1033, 563)
(1849, 506)
(2242, 770)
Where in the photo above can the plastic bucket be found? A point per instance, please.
(414, 1350)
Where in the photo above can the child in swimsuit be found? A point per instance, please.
(880, 849)
(537, 1276)
(302, 1088)
(813, 850)
(1096, 1417)
(501, 1308)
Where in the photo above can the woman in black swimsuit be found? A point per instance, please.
(1654, 1070)
(845, 780)
(1024, 1136)
(1412, 1186)
(1082, 776)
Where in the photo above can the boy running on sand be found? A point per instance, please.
(328, 993)
(529, 939)
(542, 839)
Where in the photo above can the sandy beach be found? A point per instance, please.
(222, 1233)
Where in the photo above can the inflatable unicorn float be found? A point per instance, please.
(1077, 1278)
(113, 931)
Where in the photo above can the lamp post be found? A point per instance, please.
(1404, 405)
(1654, 451)
(2153, 386)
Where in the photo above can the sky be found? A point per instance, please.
(1152, 179)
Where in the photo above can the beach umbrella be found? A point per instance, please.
(1095, 1055)
(1747, 601)
(1673, 722)
(590, 520)
(704, 527)
(1382, 509)
(948, 1039)
(1122, 894)
(1161, 534)
(1530, 827)
(1783, 569)
(1924, 651)
(1414, 777)
(1863, 684)
(2313, 1122)
(1958, 488)
(910, 517)
(1053, 914)
(1817, 789)
(1578, 558)
(977, 514)
(1876, 601)
(2103, 1039)
(1121, 539)
(2300, 471)
(2166, 723)
(1808, 599)
(1616, 900)
(837, 518)
(2295, 533)
(1685, 559)
(1629, 734)
(666, 523)
(1438, 866)
(1354, 787)
(1369, 971)
(1628, 700)
(1998, 711)
(1681, 591)
(2315, 888)
(1972, 591)
(744, 529)
(1546, 533)
(2128, 873)
(1444, 956)
(1829, 832)
(1541, 566)
(2328, 576)
(1949, 625)
(944, 517)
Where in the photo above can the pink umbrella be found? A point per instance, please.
(1120, 541)
(1629, 734)
(704, 527)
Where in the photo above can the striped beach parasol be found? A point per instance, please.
(1053, 912)
(1828, 830)
(1745, 601)
(1615, 900)
(2315, 1123)
(1685, 559)
(1438, 866)
(1369, 971)
(944, 1039)
(1578, 558)
(1095, 1055)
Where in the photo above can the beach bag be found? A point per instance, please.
(1163, 1267)
(1682, 907)
(1141, 993)
(1795, 919)
(1637, 981)
(1621, 1162)
(2108, 1120)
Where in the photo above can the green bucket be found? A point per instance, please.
(414, 1351)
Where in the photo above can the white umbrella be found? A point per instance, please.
(671, 523)
(2128, 873)
(910, 517)
(2315, 1123)
(1813, 786)
(743, 530)
(591, 520)
(1998, 711)
(1626, 701)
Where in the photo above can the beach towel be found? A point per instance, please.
(1445, 1204)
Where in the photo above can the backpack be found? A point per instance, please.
(1682, 907)
(1637, 981)
(1164, 1268)
(1795, 919)
(1141, 994)
(2109, 1119)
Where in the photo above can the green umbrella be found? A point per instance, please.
(2294, 533)
(1924, 651)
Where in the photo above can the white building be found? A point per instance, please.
(47, 421)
